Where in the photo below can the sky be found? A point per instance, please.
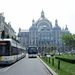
(21, 12)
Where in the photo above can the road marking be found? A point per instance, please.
(4, 69)
(7, 68)
(11, 66)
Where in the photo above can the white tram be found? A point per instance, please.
(32, 51)
(11, 51)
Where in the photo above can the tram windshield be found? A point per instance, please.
(32, 50)
(4, 48)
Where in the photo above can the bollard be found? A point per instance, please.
(46, 58)
(49, 59)
(53, 61)
(58, 63)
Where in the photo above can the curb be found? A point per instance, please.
(48, 68)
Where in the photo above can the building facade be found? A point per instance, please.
(6, 27)
(43, 34)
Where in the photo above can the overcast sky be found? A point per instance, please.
(21, 12)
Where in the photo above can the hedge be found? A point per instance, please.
(66, 60)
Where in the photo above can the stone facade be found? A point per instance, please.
(6, 27)
(43, 34)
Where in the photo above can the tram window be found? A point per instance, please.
(4, 48)
(14, 50)
(20, 51)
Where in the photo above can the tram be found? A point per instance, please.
(32, 51)
(11, 51)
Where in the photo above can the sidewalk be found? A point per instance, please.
(48, 68)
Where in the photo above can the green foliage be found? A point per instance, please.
(3, 34)
(7, 36)
(18, 41)
(55, 48)
(69, 39)
(65, 67)
(15, 39)
(73, 42)
(12, 37)
(66, 59)
(48, 49)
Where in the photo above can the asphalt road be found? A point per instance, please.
(26, 66)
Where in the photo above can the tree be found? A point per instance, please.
(3, 34)
(69, 40)
(15, 39)
(18, 41)
(55, 48)
(7, 36)
(73, 42)
(48, 49)
(12, 37)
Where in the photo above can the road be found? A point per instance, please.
(26, 66)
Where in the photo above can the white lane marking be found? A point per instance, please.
(11, 66)
(7, 68)
(4, 69)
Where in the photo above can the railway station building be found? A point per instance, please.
(42, 34)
